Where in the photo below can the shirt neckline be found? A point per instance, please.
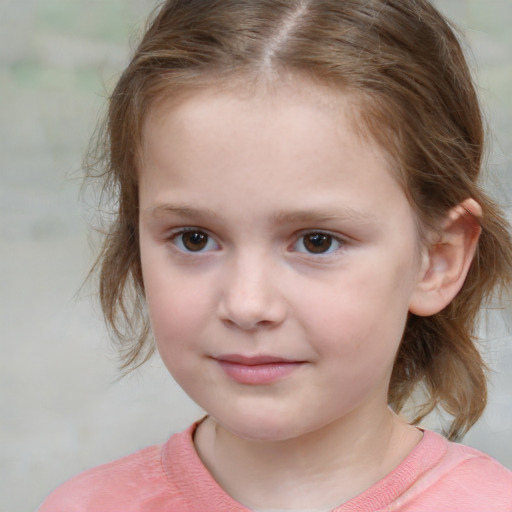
(188, 474)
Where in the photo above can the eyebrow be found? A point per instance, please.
(280, 217)
(183, 210)
(338, 213)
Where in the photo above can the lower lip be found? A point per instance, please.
(258, 373)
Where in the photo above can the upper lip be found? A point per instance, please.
(253, 360)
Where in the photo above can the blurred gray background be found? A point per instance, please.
(62, 406)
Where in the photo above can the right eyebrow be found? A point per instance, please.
(181, 210)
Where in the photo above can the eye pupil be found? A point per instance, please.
(195, 240)
(317, 242)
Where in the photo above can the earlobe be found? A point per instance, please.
(446, 261)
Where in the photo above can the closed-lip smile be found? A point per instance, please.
(257, 369)
(253, 360)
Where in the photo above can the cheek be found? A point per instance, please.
(174, 311)
(360, 319)
(177, 307)
(177, 321)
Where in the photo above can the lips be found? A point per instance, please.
(257, 370)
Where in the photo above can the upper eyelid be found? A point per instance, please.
(337, 236)
(340, 239)
(174, 233)
(298, 234)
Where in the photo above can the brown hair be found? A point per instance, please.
(405, 65)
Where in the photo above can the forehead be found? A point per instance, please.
(188, 106)
(293, 116)
(264, 152)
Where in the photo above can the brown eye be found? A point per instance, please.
(194, 240)
(317, 243)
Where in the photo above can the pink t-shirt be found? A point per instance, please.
(436, 476)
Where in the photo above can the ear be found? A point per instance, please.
(446, 261)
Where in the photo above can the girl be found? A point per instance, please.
(300, 227)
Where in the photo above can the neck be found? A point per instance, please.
(317, 470)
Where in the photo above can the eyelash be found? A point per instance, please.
(203, 240)
(177, 239)
(319, 236)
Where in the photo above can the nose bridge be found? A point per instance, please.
(251, 295)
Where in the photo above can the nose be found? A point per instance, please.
(251, 298)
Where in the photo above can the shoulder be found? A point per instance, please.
(133, 483)
(476, 469)
(465, 479)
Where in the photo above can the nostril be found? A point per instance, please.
(249, 326)
(250, 298)
(250, 314)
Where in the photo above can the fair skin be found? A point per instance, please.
(280, 261)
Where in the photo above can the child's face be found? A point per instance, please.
(279, 258)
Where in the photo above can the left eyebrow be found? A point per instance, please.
(318, 215)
